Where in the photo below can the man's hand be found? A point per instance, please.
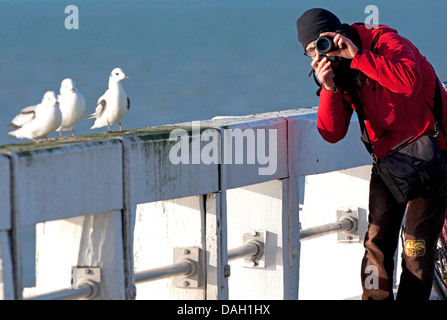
(324, 72)
(347, 49)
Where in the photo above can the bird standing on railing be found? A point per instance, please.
(72, 105)
(37, 121)
(113, 105)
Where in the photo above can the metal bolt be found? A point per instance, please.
(227, 271)
(186, 283)
(132, 291)
(186, 251)
(295, 252)
(88, 271)
(253, 233)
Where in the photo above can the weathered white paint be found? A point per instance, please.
(260, 207)
(6, 268)
(160, 227)
(89, 240)
(5, 195)
(337, 264)
(6, 265)
(312, 154)
(153, 177)
(236, 175)
(216, 246)
(69, 181)
(81, 196)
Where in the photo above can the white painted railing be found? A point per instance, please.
(120, 206)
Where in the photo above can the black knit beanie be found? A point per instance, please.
(315, 21)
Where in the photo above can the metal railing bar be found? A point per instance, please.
(84, 291)
(183, 267)
(186, 267)
(344, 224)
(247, 250)
(179, 268)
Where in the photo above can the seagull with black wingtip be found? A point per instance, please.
(114, 104)
(37, 121)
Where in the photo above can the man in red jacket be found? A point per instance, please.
(396, 87)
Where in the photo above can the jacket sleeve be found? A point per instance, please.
(395, 67)
(334, 116)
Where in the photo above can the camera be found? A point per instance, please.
(324, 45)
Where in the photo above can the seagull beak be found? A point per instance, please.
(126, 77)
(72, 90)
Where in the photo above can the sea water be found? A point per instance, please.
(187, 59)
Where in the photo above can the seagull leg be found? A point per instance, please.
(119, 123)
(72, 133)
(60, 133)
(108, 126)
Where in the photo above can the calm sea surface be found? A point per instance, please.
(186, 59)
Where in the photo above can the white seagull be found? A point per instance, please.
(72, 105)
(37, 121)
(113, 105)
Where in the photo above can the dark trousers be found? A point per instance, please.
(424, 219)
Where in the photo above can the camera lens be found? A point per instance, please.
(324, 44)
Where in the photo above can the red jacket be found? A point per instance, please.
(397, 89)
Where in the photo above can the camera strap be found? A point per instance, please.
(312, 72)
(437, 108)
(359, 110)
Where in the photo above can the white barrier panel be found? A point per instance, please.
(91, 240)
(6, 259)
(162, 226)
(5, 193)
(6, 268)
(201, 185)
(253, 152)
(312, 154)
(68, 181)
(152, 174)
(262, 208)
(330, 269)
